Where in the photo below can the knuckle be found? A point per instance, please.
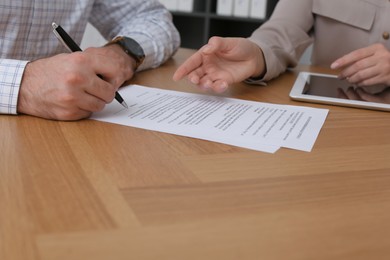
(73, 79)
(67, 98)
(70, 115)
(101, 106)
(110, 96)
(358, 65)
(358, 77)
(116, 83)
(97, 106)
(108, 92)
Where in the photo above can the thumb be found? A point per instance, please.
(219, 44)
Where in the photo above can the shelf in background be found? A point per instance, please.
(198, 26)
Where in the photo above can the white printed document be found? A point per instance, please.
(249, 124)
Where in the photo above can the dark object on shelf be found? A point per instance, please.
(198, 26)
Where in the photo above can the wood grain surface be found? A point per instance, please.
(92, 190)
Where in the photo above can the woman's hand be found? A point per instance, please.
(221, 62)
(365, 67)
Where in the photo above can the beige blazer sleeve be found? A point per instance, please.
(334, 27)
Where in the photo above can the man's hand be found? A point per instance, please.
(67, 86)
(365, 67)
(221, 62)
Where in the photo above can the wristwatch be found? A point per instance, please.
(131, 47)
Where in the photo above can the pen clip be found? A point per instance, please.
(55, 26)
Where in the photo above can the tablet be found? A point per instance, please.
(328, 89)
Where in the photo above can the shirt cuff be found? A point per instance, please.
(11, 73)
(254, 81)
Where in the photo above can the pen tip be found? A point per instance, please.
(54, 25)
(125, 105)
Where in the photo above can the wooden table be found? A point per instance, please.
(93, 190)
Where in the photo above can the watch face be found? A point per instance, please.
(132, 48)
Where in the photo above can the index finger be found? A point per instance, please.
(191, 64)
(352, 57)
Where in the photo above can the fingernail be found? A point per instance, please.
(222, 87)
(334, 65)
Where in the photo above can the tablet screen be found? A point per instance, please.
(333, 87)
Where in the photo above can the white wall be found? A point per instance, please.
(92, 38)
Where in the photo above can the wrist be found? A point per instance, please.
(118, 50)
(260, 67)
(25, 97)
(131, 48)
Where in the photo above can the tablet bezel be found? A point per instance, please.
(296, 93)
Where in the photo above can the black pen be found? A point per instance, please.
(70, 44)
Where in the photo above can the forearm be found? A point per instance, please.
(147, 22)
(285, 36)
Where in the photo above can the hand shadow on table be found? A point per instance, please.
(362, 94)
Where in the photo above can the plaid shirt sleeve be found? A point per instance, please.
(147, 22)
(11, 72)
